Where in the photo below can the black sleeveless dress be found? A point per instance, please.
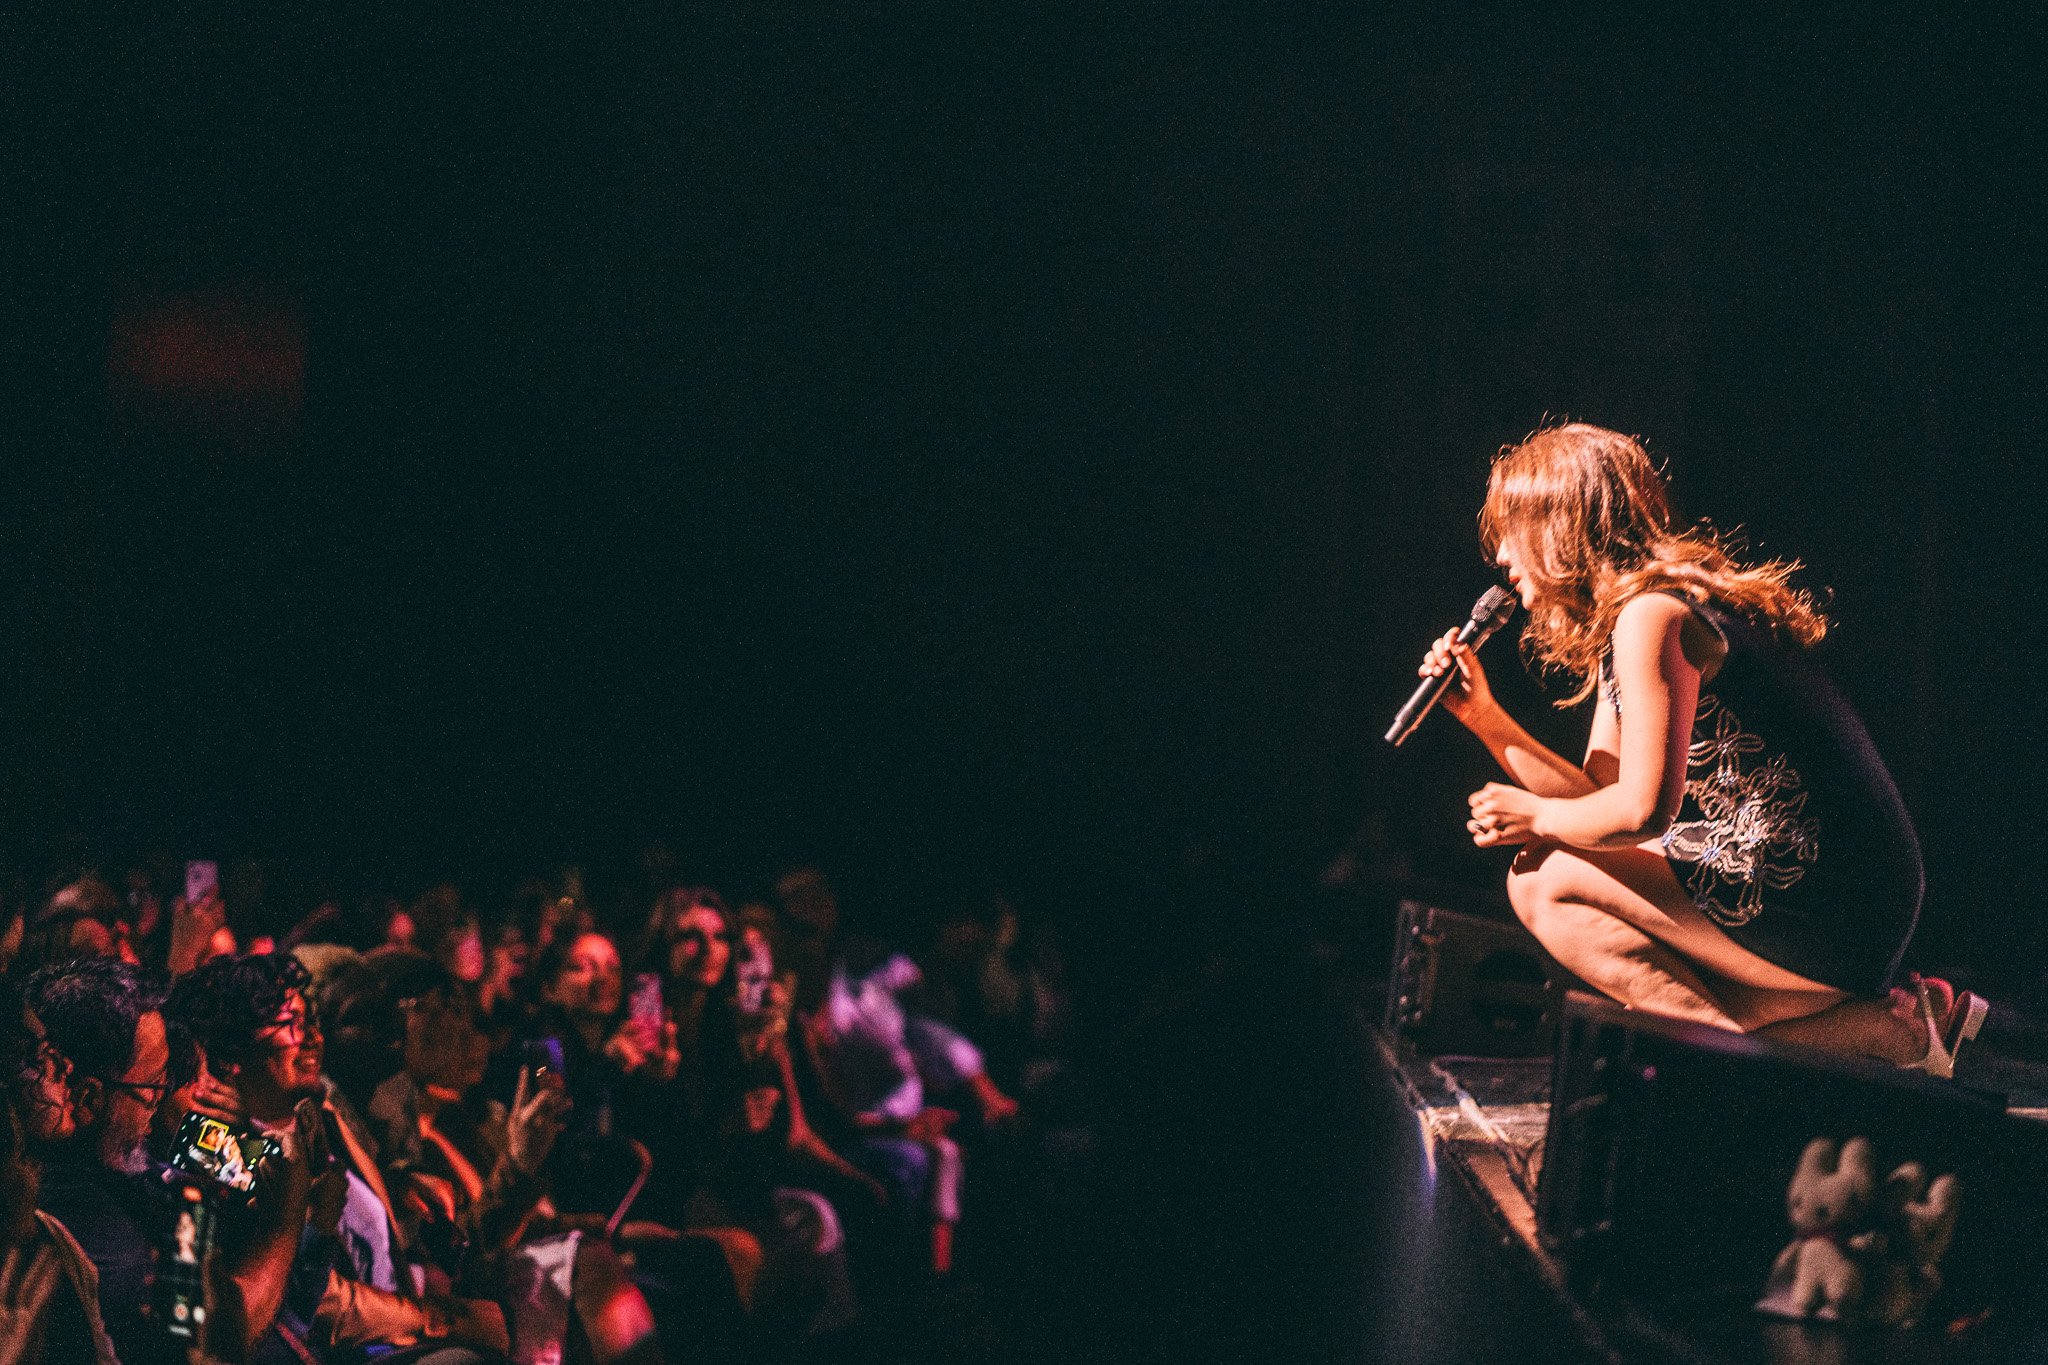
(1792, 836)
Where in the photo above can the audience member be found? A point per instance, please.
(354, 1286)
(744, 1154)
(878, 1064)
(605, 1054)
(1003, 984)
(13, 928)
(456, 1127)
(49, 1289)
(103, 1019)
(470, 1179)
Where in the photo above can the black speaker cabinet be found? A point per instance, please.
(1670, 1147)
(1471, 986)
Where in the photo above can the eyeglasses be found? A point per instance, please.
(294, 1029)
(148, 1092)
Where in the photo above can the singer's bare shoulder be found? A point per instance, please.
(1649, 622)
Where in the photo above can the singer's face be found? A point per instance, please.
(1509, 557)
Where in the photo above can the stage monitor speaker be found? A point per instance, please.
(1471, 986)
(1670, 1147)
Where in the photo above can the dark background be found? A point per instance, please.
(1037, 444)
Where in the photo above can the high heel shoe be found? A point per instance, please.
(1946, 1034)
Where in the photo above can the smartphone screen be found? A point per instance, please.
(208, 1148)
(202, 879)
(542, 1054)
(179, 1282)
(754, 969)
(645, 1006)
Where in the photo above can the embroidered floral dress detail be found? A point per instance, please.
(1753, 833)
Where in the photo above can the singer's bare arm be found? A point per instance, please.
(1659, 679)
(1603, 745)
(1531, 763)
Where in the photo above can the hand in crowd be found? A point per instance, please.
(643, 1231)
(472, 1322)
(540, 1108)
(147, 910)
(930, 1124)
(195, 931)
(329, 1192)
(757, 1108)
(643, 1051)
(290, 1170)
(205, 1094)
(217, 1099)
(998, 1110)
(431, 1197)
(245, 1286)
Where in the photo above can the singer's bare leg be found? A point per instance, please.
(1623, 924)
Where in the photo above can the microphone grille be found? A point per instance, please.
(1494, 606)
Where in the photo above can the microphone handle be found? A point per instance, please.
(1426, 693)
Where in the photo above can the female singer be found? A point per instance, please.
(1732, 851)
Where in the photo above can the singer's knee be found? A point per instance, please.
(1537, 888)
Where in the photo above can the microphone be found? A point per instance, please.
(1489, 614)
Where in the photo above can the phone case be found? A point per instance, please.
(179, 1281)
(645, 1006)
(202, 879)
(208, 1148)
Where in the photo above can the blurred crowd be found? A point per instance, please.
(420, 1130)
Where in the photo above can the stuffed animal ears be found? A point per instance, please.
(1819, 1159)
(1904, 1188)
(1935, 1215)
(1855, 1158)
(1943, 1196)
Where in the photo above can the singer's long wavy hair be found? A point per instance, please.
(1590, 516)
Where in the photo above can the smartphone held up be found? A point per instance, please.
(202, 880)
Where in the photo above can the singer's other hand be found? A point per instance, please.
(1469, 694)
(1503, 815)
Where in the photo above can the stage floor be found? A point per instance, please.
(1482, 1121)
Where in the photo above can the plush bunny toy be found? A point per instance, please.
(1922, 1219)
(1818, 1275)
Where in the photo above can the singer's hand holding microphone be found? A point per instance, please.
(1501, 814)
(1452, 674)
(1468, 695)
(1489, 614)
